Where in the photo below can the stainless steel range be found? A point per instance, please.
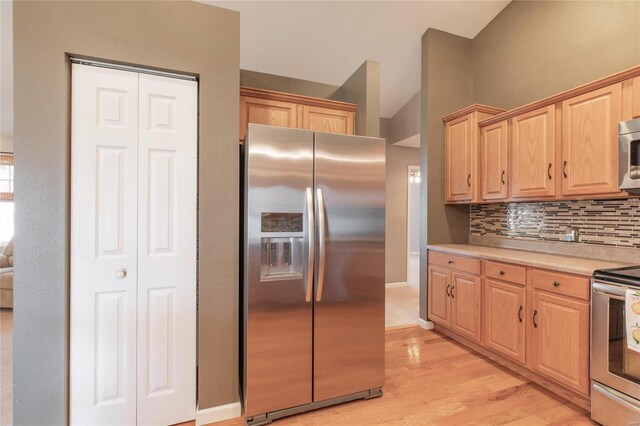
(615, 366)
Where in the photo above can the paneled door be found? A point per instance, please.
(439, 305)
(504, 315)
(493, 158)
(465, 305)
(348, 312)
(560, 339)
(167, 213)
(266, 111)
(326, 120)
(459, 159)
(533, 148)
(133, 248)
(590, 142)
(104, 194)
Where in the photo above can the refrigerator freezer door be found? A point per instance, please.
(349, 306)
(278, 308)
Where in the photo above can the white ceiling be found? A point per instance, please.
(326, 41)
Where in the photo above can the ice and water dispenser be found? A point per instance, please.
(281, 255)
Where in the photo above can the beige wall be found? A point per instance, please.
(363, 89)
(260, 80)
(534, 49)
(406, 122)
(181, 36)
(446, 86)
(449, 87)
(398, 160)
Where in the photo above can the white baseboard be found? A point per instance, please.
(218, 414)
(395, 285)
(427, 325)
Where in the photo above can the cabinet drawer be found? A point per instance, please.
(568, 285)
(505, 272)
(459, 263)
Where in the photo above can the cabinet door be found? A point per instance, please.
(560, 339)
(459, 158)
(504, 315)
(439, 287)
(266, 111)
(533, 150)
(465, 305)
(493, 161)
(327, 120)
(590, 142)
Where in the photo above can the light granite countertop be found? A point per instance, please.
(554, 262)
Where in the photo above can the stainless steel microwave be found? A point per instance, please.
(629, 155)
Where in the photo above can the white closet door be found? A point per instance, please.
(167, 250)
(104, 162)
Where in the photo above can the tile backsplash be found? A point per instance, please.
(603, 222)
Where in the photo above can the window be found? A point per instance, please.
(6, 198)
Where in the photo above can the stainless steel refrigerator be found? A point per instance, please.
(313, 270)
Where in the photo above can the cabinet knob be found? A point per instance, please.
(501, 272)
(469, 181)
(122, 273)
(450, 262)
(556, 284)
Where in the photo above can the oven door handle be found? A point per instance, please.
(618, 397)
(610, 290)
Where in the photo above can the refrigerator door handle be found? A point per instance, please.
(311, 230)
(321, 244)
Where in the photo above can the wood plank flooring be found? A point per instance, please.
(431, 380)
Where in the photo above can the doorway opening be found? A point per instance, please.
(403, 298)
(413, 228)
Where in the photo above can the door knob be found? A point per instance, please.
(121, 273)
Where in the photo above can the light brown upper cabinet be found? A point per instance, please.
(590, 142)
(461, 153)
(327, 120)
(266, 111)
(494, 178)
(294, 111)
(533, 148)
(561, 147)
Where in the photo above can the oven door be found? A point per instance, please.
(612, 363)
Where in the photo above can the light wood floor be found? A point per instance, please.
(431, 380)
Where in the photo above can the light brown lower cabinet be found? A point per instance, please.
(541, 325)
(465, 305)
(560, 339)
(504, 319)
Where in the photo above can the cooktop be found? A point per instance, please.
(627, 274)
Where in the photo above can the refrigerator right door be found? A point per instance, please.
(349, 293)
